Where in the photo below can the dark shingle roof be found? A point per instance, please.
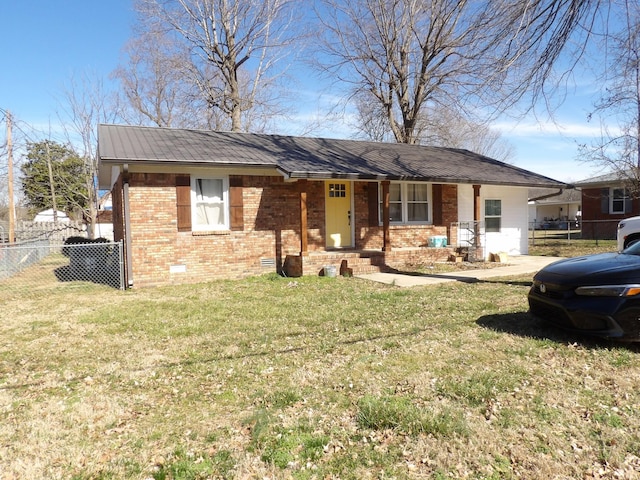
(609, 178)
(553, 196)
(304, 157)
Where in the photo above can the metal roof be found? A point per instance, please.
(306, 157)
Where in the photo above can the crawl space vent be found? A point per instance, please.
(267, 262)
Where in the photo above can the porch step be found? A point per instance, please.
(363, 265)
(359, 263)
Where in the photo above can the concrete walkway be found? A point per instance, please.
(515, 265)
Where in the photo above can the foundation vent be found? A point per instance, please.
(267, 262)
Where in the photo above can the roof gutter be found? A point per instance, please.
(298, 175)
(549, 195)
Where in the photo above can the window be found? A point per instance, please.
(492, 215)
(209, 203)
(337, 190)
(417, 202)
(408, 202)
(395, 203)
(618, 198)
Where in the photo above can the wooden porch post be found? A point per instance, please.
(302, 186)
(476, 203)
(386, 243)
(477, 244)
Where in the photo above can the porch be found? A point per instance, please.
(359, 262)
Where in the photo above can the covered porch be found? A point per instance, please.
(395, 253)
(358, 262)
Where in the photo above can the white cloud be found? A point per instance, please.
(567, 130)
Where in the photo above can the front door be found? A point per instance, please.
(338, 213)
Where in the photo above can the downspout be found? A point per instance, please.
(127, 222)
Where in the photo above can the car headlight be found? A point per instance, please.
(620, 225)
(609, 290)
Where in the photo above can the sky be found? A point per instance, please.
(48, 43)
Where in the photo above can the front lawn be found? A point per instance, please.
(571, 248)
(308, 378)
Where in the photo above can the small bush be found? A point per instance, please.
(77, 240)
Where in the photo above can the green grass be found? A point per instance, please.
(403, 416)
(324, 378)
(555, 247)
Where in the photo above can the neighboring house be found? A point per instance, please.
(551, 209)
(605, 201)
(104, 218)
(47, 216)
(199, 205)
(104, 225)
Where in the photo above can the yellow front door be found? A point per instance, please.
(338, 213)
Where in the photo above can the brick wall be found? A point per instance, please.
(161, 255)
(449, 206)
(597, 224)
(402, 236)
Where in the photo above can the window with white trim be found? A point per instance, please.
(492, 215)
(408, 202)
(209, 203)
(618, 198)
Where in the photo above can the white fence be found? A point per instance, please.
(54, 232)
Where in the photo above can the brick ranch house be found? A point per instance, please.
(194, 206)
(606, 199)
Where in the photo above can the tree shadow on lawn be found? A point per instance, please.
(526, 325)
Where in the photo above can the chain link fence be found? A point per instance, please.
(550, 232)
(38, 263)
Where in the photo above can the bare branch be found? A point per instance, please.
(618, 109)
(234, 47)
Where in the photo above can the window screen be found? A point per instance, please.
(492, 215)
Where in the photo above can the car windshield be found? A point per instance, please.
(634, 249)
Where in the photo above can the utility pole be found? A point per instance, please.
(12, 208)
(52, 186)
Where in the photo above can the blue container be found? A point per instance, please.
(438, 241)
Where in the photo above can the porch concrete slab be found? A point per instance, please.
(516, 265)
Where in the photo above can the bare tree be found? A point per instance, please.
(407, 54)
(402, 53)
(437, 126)
(372, 122)
(88, 103)
(536, 36)
(152, 81)
(234, 46)
(618, 108)
(4, 174)
(447, 127)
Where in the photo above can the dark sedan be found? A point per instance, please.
(595, 294)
